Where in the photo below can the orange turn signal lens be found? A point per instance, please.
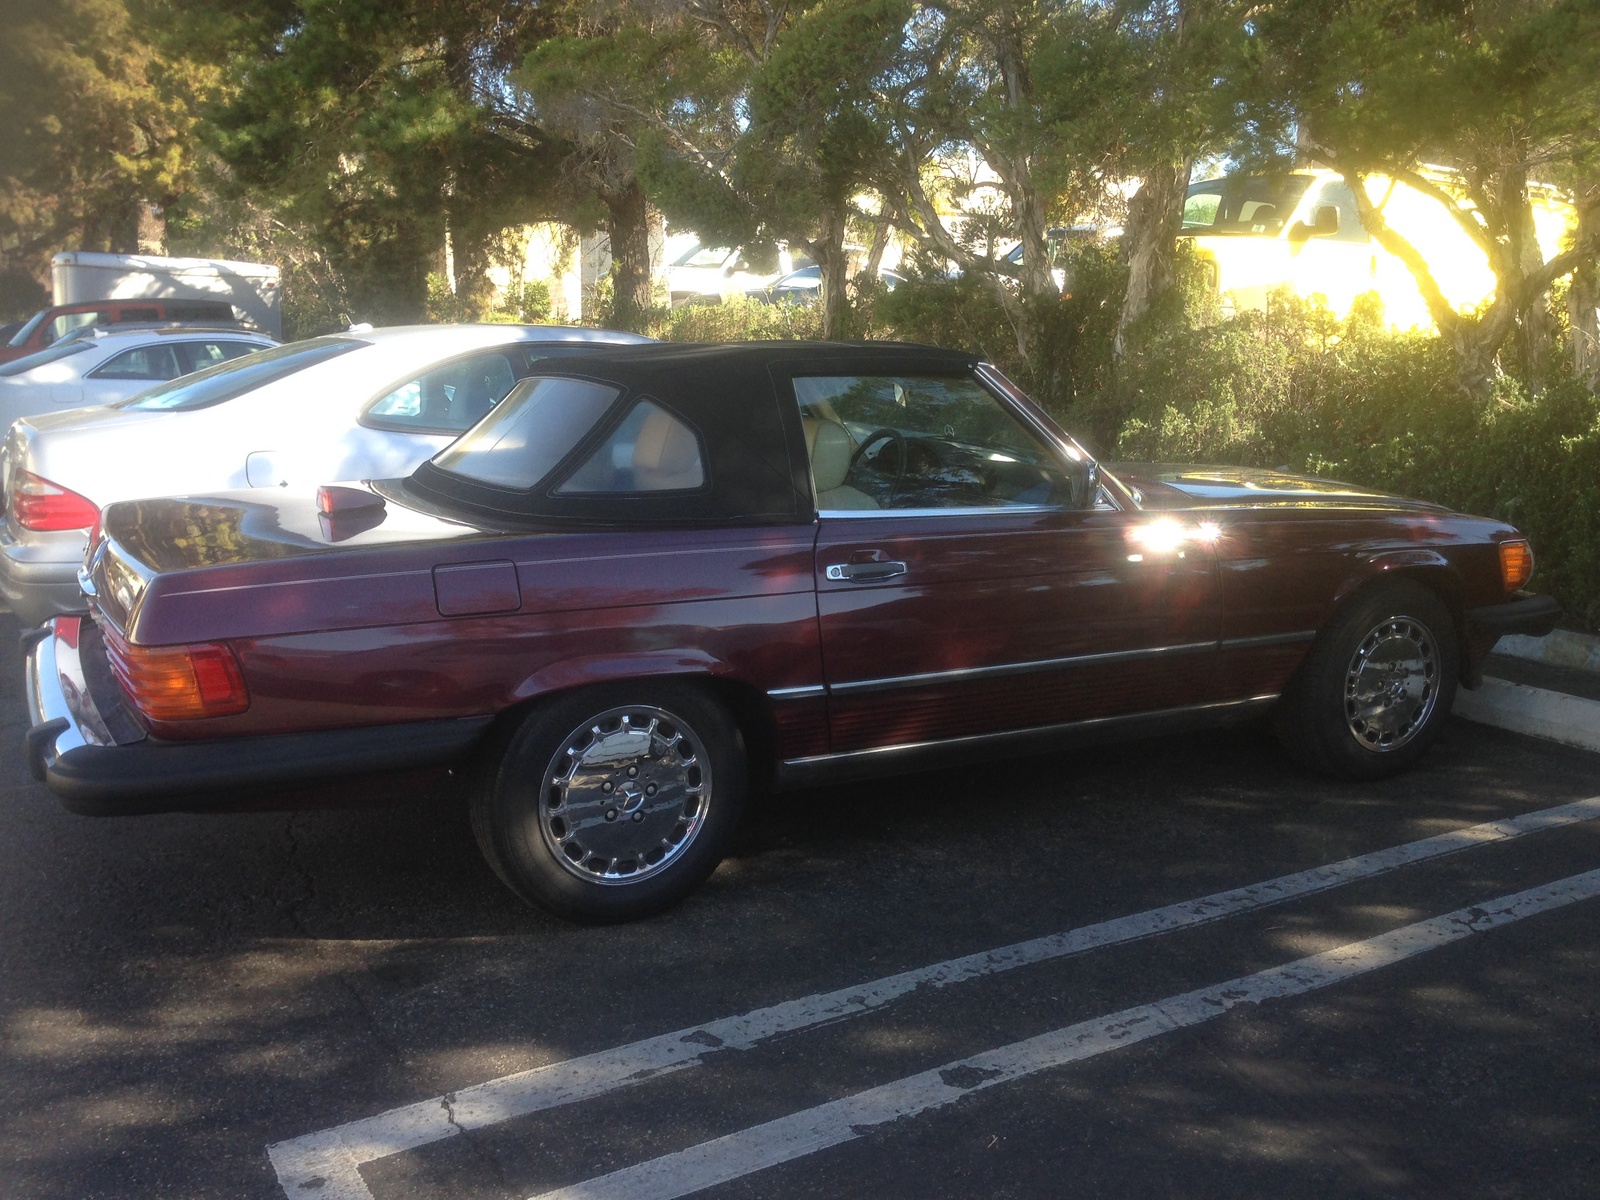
(1516, 564)
(179, 683)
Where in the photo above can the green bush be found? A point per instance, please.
(739, 319)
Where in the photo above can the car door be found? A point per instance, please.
(964, 589)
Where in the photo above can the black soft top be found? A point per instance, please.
(736, 398)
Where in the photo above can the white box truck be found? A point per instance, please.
(254, 289)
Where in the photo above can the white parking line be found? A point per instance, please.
(326, 1164)
(788, 1138)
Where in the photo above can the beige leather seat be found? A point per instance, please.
(666, 457)
(830, 447)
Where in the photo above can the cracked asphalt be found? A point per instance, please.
(179, 992)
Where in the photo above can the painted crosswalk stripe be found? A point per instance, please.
(788, 1138)
(326, 1164)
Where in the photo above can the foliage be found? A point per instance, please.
(738, 319)
(97, 119)
(525, 302)
(1501, 94)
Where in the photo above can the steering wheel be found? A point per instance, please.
(880, 435)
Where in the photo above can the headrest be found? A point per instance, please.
(831, 449)
(666, 455)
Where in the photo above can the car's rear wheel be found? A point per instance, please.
(1377, 685)
(612, 803)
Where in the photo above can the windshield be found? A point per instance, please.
(529, 432)
(233, 378)
(1258, 204)
(703, 256)
(53, 354)
(26, 331)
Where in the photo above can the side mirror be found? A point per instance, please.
(1325, 224)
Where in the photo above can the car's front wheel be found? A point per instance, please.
(612, 803)
(1377, 685)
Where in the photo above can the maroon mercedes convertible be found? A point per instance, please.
(653, 583)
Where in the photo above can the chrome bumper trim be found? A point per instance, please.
(61, 713)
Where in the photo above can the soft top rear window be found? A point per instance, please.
(233, 378)
(53, 354)
(522, 439)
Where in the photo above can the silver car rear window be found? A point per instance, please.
(53, 354)
(233, 378)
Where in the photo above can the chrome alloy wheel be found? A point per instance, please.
(1391, 684)
(625, 795)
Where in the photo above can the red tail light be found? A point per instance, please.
(179, 683)
(43, 507)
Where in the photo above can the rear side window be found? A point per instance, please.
(142, 362)
(522, 439)
(448, 399)
(196, 356)
(52, 354)
(651, 451)
(225, 381)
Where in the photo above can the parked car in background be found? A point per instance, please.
(50, 325)
(1302, 230)
(711, 274)
(97, 365)
(658, 580)
(805, 286)
(352, 406)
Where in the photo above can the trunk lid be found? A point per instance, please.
(194, 568)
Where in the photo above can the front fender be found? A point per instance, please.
(1377, 566)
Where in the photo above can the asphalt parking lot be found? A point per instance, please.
(1189, 1005)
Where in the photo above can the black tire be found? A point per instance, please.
(1376, 687)
(579, 816)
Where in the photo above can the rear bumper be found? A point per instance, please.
(37, 590)
(71, 749)
(1532, 616)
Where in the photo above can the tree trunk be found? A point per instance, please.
(1583, 309)
(1534, 334)
(881, 233)
(469, 261)
(628, 224)
(828, 250)
(151, 236)
(1155, 214)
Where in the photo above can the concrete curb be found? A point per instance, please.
(1571, 720)
(1563, 648)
